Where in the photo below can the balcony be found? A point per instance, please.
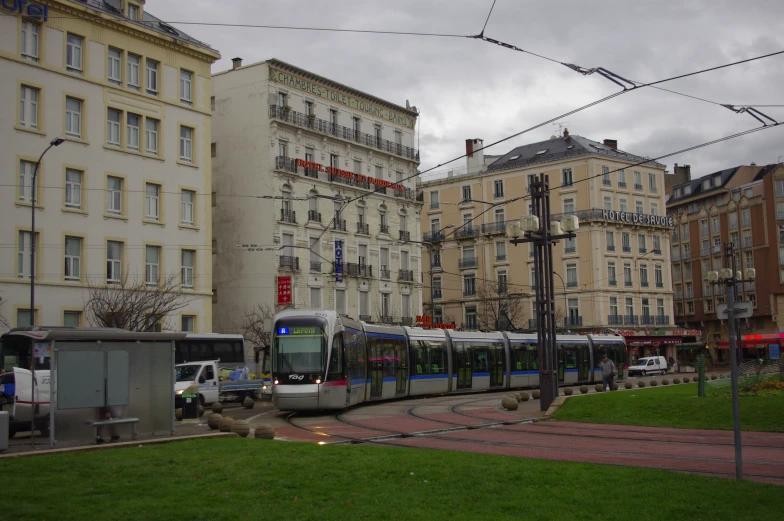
(288, 262)
(363, 228)
(686, 255)
(612, 282)
(643, 283)
(500, 257)
(662, 320)
(314, 216)
(704, 252)
(716, 248)
(339, 225)
(643, 249)
(469, 292)
(502, 288)
(573, 321)
(315, 266)
(637, 187)
(531, 323)
(437, 293)
(627, 249)
(628, 283)
(571, 283)
(384, 273)
(466, 232)
(287, 164)
(496, 227)
(611, 247)
(468, 262)
(405, 236)
(384, 228)
(621, 184)
(359, 270)
(630, 320)
(288, 216)
(349, 134)
(405, 276)
(365, 318)
(606, 181)
(647, 320)
(311, 172)
(433, 236)
(407, 321)
(615, 320)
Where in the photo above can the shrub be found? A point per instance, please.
(665, 382)
(509, 403)
(568, 391)
(583, 389)
(676, 380)
(535, 394)
(628, 385)
(641, 384)
(713, 377)
(599, 387)
(654, 383)
(614, 387)
(685, 379)
(524, 397)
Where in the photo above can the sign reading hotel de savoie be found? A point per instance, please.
(329, 94)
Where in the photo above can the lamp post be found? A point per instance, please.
(56, 142)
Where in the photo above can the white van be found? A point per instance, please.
(649, 365)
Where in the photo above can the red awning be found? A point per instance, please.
(756, 341)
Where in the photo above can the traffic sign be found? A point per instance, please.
(742, 309)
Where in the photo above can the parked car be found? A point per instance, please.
(649, 365)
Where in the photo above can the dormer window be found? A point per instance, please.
(134, 12)
(687, 190)
(676, 192)
(706, 183)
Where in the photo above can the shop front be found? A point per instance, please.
(754, 347)
(643, 346)
(687, 355)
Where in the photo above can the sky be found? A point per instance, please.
(467, 88)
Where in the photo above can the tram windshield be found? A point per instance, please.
(298, 347)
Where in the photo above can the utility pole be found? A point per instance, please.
(730, 278)
(543, 234)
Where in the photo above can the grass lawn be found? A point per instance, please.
(675, 406)
(237, 479)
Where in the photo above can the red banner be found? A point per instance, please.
(284, 291)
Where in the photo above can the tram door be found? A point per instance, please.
(376, 367)
(496, 361)
(561, 365)
(462, 357)
(401, 366)
(583, 362)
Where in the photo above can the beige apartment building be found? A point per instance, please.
(126, 197)
(614, 276)
(322, 168)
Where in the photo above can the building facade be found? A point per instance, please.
(614, 276)
(743, 205)
(323, 169)
(125, 198)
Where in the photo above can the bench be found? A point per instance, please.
(113, 421)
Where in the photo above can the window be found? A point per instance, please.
(690, 307)
(133, 14)
(715, 224)
(114, 195)
(654, 209)
(188, 259)
(622, 206)
(357, 166)
(114, 66)
(637, 180)
(748, 259)
(687, 270)
(133, 62)
(186, 206)
(470, 317)
(500, 251)
(753, 299)
(498, 188)
(132, 131)
(151, 76)
(283, 99)
(152, 263)
(642, 243)
(152, 201)
(186, 144)
(607, 202)
(469, 285)
(466, 194)
(73, 53)
(73, 117)
(333, 120)
(573, 311)
(26, 169)
(28, 107)
(186, 83)
(626, 242)
(747, 238)
(357, 126)
(629, 306)
(646, 308)
(685, 232)
(614, 306)
(611, 275)
(113, 127)
(532, 276)
(745, 216)
(500, 215)
(315, 298)
(24, 254)
(30, 40)
(657, 273)
(703, 226)
(151, 135)
(434, 201)
(364, 304)
(570, 245)
(627, 274)
(72, 318)
(437, 287)
(188, 323)
(568, 206)
(639, 208)
(610, 237)
(571, 275)
(621, 178)
(113, 262)
(606, 176)
(567, 177)
(340, 301)
(73, 188)
(733, 220)
(644, 275)
(652, 182)
(385, 311)
(657, 244)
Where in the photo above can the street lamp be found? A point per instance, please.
(56, 142)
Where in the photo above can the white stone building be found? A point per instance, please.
(127, 192)
(299, 147)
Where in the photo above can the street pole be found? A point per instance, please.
(432, 293)
(729, 255)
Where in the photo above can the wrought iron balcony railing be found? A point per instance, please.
(662, 320)
(286, 163)
(289, 262)
(314, 216)
(573, 321)
(363, 228)
(315, 266)
(405, 235)
(405, 276)
(359, 270)
(433, 236)
(468, 262)
(630, 320)
(339, 224)
(288, 216)
(615, 320)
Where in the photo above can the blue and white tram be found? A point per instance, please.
(321, 360)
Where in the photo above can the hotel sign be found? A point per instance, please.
(337, 97)
(638, 218)
(31, 9)
(360, 178)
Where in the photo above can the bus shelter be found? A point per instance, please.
(67, 379)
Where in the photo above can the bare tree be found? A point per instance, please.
(135, 306)
(499, 308)
(254, 326)
(5, 324)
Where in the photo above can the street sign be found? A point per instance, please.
(743, 309)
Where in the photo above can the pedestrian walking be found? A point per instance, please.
(608, 372)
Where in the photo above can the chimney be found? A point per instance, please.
(566, 133)
(475, 157)
(612, 143)
(236, 63)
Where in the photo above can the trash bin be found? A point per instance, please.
(5, 417)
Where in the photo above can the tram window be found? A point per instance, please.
(519, 358)
(480, 359)
(437, 364)
(570, 356)
(498, 354)
(335, 371)
(533, 358)
(421, 357)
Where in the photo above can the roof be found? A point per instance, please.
(149, 21)
(559, 149)
(697, 190)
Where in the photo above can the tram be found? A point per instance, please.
(322, 360)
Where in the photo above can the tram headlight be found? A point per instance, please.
(318, 380)
(276, 381)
